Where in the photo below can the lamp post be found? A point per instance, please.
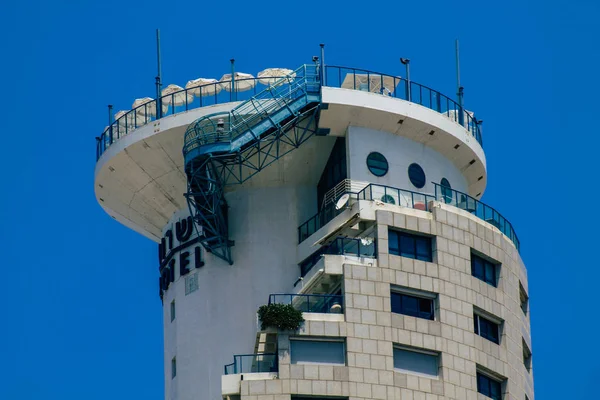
(406, 63)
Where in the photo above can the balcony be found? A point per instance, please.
(478, 209)
(341, 246)
(311, 303)
(252, 364)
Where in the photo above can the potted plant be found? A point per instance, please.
(280, 316)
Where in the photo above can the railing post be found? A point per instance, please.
(461, 113)
(110, 123)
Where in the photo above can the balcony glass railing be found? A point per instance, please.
(390, 195)
(177, 102)
(252, 363)
(477, 208)
(311, 303)
(320, 219)
(394, 86)
(341, 246)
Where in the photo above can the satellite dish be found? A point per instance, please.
(342, 201)
(366, 241)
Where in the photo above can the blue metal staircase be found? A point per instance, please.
(230, 147)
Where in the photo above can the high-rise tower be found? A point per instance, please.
(352, 195)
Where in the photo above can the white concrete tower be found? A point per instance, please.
(353, 196)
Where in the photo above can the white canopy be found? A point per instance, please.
(374, 83)
(147, 107)
(176, 99)
(209, 87)
(271, 75)
(243, 82)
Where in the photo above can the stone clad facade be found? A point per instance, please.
(371, 330)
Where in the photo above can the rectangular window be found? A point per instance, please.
(526, 356)
(173, 368)
(524, 299)
(487, 329)
(416, 361)
(489, 387)
(413, 304)
(172, 310)
(411, 246)
(317, 351)
(484, 270)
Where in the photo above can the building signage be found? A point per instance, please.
(175, 252)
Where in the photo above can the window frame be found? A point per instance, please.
(489, 319)
(485, 262)
(490, 379)
(411, 349)
(371, 167)
(172, 310)
(398, 249)
(173, 367)
(526, 355)
(341, 340)
(413, 167)
(524, 299)
(419, 295)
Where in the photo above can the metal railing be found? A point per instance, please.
(341, 246)
(477, 208)
(267, 108)
(252, 363)
(244, 89)
(320, 219)
(395, 86)
(401, 197)
(183, 100)
(311, 303)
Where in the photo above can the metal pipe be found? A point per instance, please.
(406, 62)
(110, 122)
(158, 79)
(233, 96)
(322, 63)
(460, 89)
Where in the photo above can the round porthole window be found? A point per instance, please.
(446, 190)
(416, 175)
(386, 198)
(377, 164)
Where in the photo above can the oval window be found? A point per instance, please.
(377, 164)
(416, 175)
(386, 198)
(446, 190)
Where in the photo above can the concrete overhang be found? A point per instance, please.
(347, 107)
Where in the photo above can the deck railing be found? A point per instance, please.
(395, 86)
(477, 208)
(341, 246)
(311, 303)
(243, 89)
(252, 363)
(391, 195)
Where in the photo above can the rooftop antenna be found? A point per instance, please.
(460, 89)
(406, 63)
(158, 78)
(322, 62)
(233, 94)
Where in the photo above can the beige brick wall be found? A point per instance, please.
(371, 329)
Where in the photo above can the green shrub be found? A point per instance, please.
(281, 316)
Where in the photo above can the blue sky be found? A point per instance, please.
(83, 318)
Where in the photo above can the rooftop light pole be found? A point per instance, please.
(322, 63)
(158, 79)
(406, 62)
(233, 97)
(460, 90)
(110, 122)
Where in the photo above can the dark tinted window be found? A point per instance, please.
(377, 164)
(487, 329)
(416, 175)
(489, 387)
(411, 246)
(484, 270)
(411, 305)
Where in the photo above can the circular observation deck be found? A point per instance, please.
(140, 175)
